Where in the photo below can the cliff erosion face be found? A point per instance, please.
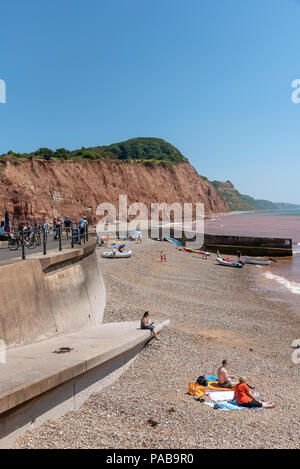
(38, 189)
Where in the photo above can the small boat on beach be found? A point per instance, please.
(174, 241)
(256, 261)
(229, 262)
(119, 255)
(197, 251)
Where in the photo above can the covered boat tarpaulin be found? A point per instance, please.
(135, 234)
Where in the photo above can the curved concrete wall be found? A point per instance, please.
(50, 295)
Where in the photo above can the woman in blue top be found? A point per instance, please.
(146, 324)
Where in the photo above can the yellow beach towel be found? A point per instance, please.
(196, 390)
(214, 386)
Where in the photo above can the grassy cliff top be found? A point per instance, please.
(145, 150)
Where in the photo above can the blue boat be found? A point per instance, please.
(174, 241)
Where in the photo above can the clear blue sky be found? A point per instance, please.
(213, 77)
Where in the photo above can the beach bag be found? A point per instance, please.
(196, 390)
(202, 381)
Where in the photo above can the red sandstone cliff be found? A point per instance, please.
(40, 189)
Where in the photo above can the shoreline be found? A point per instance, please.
(216, 313)
(239, 212)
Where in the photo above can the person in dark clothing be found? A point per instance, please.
(68, 224)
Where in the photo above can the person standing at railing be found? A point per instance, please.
(46, 229)
(54, 229)
(57, 228)
(27, 232)
(68, 224)
(37, 231)
(82, 225)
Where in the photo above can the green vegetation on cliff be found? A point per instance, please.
(240, 202)
(233, 197)
(149, 151)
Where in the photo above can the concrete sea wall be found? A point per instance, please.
(49, 304)
(47, 296)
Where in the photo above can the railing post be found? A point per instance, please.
(87, 232)
(44, 242)
(79, 235)
(23, 246)
(59, 237)
(72, 236)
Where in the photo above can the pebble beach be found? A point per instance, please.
(216, 313)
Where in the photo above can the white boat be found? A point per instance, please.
(229, 262)
(119, 255)
(256, 261)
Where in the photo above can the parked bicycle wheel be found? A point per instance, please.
(13, 244)
(31, 244)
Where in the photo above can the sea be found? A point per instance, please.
(285, 273)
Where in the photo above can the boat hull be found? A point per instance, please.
(174, 241)
(253, 260)
(196, 251)
(229, 263)
(119, 255)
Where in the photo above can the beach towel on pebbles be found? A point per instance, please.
(219, 396)
(226, 405)
(214, 386)
(211, 378)
(230, 405)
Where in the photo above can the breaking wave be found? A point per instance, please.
(294, 287)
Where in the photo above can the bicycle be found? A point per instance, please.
(16, 242)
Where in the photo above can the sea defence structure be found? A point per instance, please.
(248, 245)
(227, 244)
(57, 352)
(45, 296)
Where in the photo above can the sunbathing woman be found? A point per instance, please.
(245, 398)
(145, 324)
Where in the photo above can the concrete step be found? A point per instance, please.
(31, 370)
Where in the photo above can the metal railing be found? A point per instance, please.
(33, 238)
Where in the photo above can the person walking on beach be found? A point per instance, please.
(239, 257)
(146, 324)
(163, 257)
(245, 398)
(223, 378)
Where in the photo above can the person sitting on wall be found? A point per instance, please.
(146, 324)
